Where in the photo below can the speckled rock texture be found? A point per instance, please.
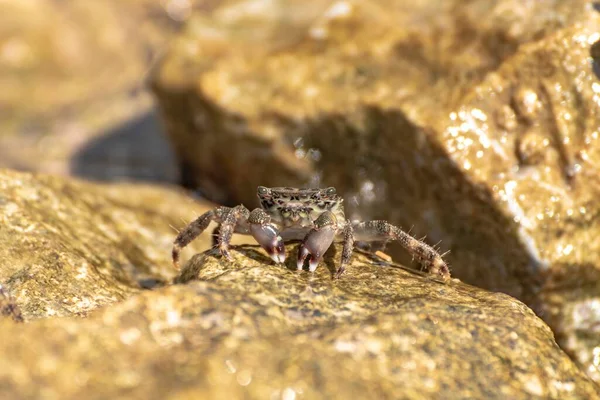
(250, 329)
(69, 247)
(475, 123)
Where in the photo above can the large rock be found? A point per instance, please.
(69, 247)
(248, 328)
(253, 330)
(474, 123)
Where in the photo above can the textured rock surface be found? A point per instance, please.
(68, 247)
(253, 330)
(476, 123)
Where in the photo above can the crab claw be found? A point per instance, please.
(317, 241)
(268, 237)
(302, 254)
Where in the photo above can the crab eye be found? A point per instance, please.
(285, 214)
(262, 190)
(330, 191)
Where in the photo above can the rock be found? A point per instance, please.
(69, 247)
(474, 123)
(254, 330)
(323, 67)
(72, 74)
(541, 173)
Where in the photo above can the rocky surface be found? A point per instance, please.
(87, 267)
(474, 123)
(255, 330)
(69, 247)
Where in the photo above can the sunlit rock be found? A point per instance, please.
(251, 329)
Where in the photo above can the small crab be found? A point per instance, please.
(314, 216)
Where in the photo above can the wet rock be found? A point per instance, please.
(69, 247)
(474, 123)
(542, 174)
(254, 330)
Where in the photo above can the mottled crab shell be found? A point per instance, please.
(292, 207)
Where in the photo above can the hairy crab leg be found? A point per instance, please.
(227, 219)
(317, 240)
(266, 234)
(426, 255)
(348, 247)
(194, 229)
(227, 227)
(8, 307)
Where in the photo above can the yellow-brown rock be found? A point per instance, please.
(249, 329)
(68, 247)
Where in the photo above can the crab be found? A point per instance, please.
(314, 216)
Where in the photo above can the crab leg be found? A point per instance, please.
(8, 307)
(228, 225)
(225, 216)
(266, 234)
(317, 240)
(194, 229)
(348, 246)
(426, 255)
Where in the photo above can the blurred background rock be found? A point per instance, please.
(73, 93)
(73, 98)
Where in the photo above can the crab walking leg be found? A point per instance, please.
(8, 307)
(426, 255)
(194, 229)
(227, 227)
(348, 247)
(266, 234)
(317, 240)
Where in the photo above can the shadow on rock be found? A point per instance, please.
(135, 150)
